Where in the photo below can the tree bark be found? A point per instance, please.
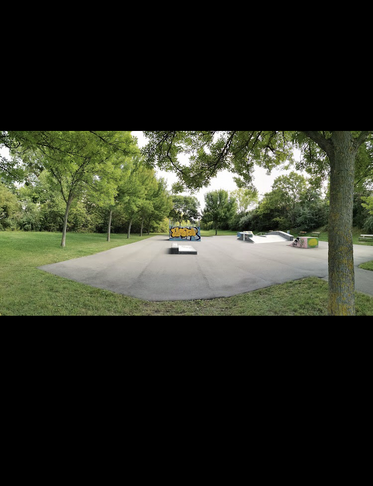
(109, 225)
(129, 228)
(142, 224)
(68, 204)
(340, 253)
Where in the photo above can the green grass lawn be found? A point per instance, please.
(356, 232)
(211, 232)
(367, 265)
(25, 290)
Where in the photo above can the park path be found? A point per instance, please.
(223, 267)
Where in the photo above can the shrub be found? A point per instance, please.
(368, 225)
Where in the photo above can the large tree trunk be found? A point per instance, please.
(109, 225)
(68, 204)
(340, 257)
(142, 224)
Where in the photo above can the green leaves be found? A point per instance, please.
(211, 151)
(9, 207)
(185, 208)
(219, 208)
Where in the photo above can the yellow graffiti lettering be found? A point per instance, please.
(175, 232)
(182, 232)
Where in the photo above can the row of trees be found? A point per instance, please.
(293, 203)
(85, 181)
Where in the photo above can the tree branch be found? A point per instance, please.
(225, 150)
(324, 143)
(169, 156)
(59, 180)
(361, 138)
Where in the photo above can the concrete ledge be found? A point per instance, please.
(242, 235)
(174, 248)
(187, 249)
(182, 249)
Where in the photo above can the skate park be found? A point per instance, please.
(221, 266)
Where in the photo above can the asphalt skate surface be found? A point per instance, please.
(222, 267)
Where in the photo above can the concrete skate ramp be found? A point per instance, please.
(264, 239)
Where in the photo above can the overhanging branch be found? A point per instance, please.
(361, 138)
(324, 143)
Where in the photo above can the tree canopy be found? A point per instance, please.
(238, 152)
(83, 174)
(185, 208)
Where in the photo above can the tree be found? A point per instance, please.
(292, 203)
(136, 192)
(368, 203)
(288, 190)
(364, 167)
(185, 208)
(126, 167)
(341, 149)
(145, 208)
(273, 211)
(219, 208)
(244, 198)
(323, 152)
(157, 205)
(9, 207)
(142, 199)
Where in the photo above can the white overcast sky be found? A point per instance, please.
(224, 179)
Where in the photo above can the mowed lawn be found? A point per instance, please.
(26, 290)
